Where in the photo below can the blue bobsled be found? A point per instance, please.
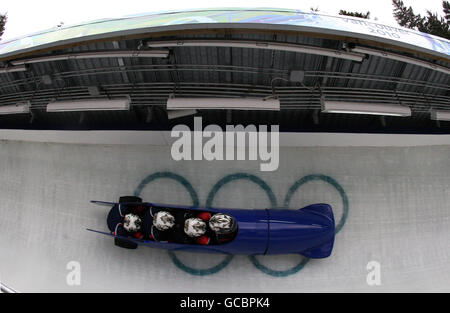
(308, 231)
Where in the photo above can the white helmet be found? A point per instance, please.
(132, 222)
(163, 220)
(221, 223)
(194, 227)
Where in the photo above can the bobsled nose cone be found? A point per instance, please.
(326, 239)
(308, 231)
(320, 209)
(323, 210)
(320, 252)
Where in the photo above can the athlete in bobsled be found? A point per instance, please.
(131, 218)
(126, 219)
(207, 227)
(197, 228)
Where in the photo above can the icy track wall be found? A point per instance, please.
(391, 206)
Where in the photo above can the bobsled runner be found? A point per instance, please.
(308, 231)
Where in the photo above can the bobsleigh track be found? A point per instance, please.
(391, 207)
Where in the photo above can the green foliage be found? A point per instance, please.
(431, 23)
(446, 7)
(3, 19)
(355, 14)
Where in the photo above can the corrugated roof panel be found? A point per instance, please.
(231, 72)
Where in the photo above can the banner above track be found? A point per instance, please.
(275, 19)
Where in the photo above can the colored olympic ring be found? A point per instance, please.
(273, 202)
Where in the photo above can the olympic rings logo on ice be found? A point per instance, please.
(273, 203)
